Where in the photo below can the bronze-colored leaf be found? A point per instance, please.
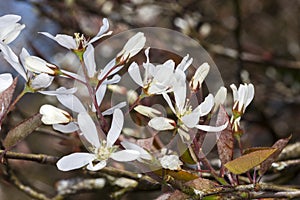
(279, 145)
(5, 99)
(248, 161)
(21, 131)
(224, 138)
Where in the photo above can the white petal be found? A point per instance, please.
(41, 81)
(53, 115)
(221, 95)
(250, 95)
(199, 76)
(100, 94)
(106, 72)
(185, 63)
(179, 88)
(116, 127)
(89, 60)
(169, 102)
(192, 119)
(71, 74)
(11, 32)
(125, 155)
(88, 129)
(6, 80)
(12, 59)
(9, 19)
(38, 65)
(131, 146)
(212, 128)
(96, 167)
(147, 111)
(135, 74)
(115, 79)
(184, 134)
(133, 45)
(59, 91)
(101, 32)
(205, 107)
(64, 40)
(112, 109)
(234, 92)
(68, 128)
(72, 102)
(74, 161)
(161, 123)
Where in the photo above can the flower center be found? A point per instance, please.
(80, 41)
(103, 152)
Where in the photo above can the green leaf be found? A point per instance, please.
(224, 138)
(279, 145)
(246, 162)
(21, 131)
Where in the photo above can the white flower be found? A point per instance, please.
(53, 115)
(133, 46)
(9, 28)
(101, 150)
(187, 117)
(242, 97)
(170, 162)
(199, 76)
(79, 42)
(6, 80)
(35, 82)
(157, 79)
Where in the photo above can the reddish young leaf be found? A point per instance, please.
(21, 131)
(5, 99)
(246, 162)
(279, 145)
(224, 138)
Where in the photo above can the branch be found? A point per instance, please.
(12, 178)
(40, 158)
(249, 57)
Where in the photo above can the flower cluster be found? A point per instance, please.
(167, 80)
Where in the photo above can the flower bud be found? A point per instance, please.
(53, 115)
(199, 76)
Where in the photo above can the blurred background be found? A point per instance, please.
(250, 41)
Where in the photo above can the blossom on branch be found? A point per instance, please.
(102, 150)
(242, 97)
(9, 28)
(79, 42)
(52, 115)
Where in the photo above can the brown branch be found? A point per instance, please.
(249, 57)
(290, 151)
(12, 178)
(40, 158)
